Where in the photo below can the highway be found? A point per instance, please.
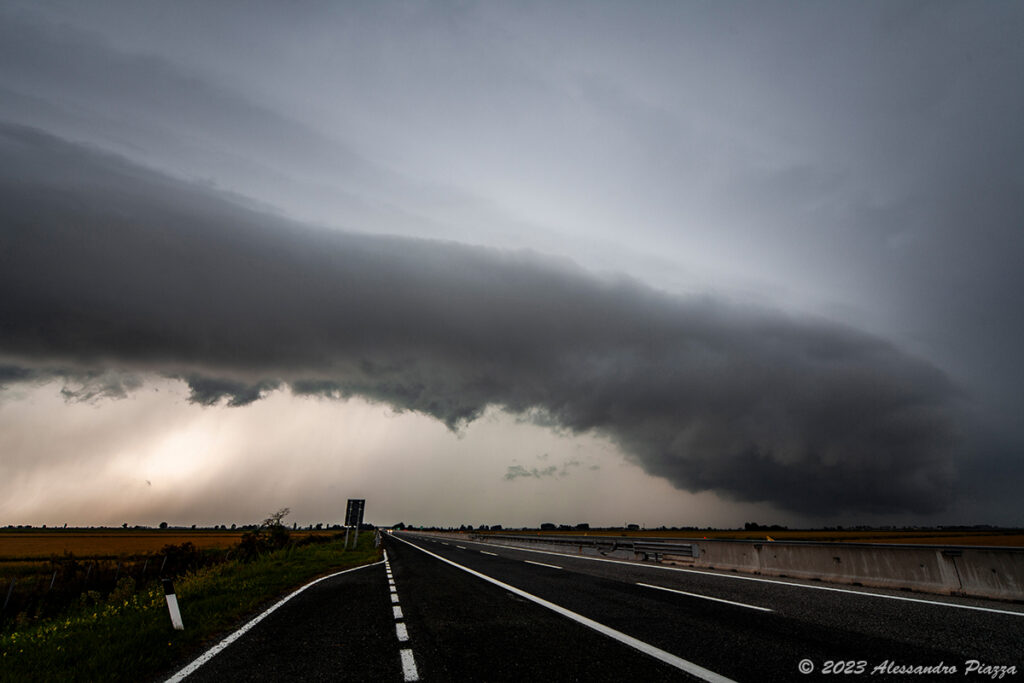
(449, 609)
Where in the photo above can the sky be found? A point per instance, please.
(681, 264)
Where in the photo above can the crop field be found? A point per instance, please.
(20, 545)
(999, 537)
(110, 543)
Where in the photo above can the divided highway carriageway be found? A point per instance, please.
(448, 609)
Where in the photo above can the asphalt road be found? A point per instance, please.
(443, 609)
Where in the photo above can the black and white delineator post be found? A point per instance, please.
(172, 606)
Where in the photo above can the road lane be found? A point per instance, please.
(468, 630)
(340, 629)
(806, 624)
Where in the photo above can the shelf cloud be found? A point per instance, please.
(112, 272)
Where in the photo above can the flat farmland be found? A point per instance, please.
(104, 543)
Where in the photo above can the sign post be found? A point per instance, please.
(354, 518)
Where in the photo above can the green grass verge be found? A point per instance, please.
(128, 636)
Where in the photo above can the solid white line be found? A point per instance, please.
(409, 666)
(755, 578)
(487, 553)
(647, 648)
(401, 632)
(542, 564)
(213, 651)
(397, 612)
(704, 597)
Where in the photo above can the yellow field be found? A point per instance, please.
(1012, 538)
(41, 544)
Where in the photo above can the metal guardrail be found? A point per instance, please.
(624, 542)
(642, 547)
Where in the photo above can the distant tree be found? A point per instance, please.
(633, 527)
(583, 526)
(399, 526)
(163, 525)
(271, 534)
(319, 526)
(125, 525)
(232, 527)
(495, 527)
(547, 526)
(277, 518)
(193, 526)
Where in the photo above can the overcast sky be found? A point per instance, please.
(663, 263)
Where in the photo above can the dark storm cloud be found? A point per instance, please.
(106, 266)
(518, 471)
(208, 391)
(81, 385)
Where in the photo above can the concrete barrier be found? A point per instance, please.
(975, 571)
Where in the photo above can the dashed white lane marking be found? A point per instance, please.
(541, 564)
(213, 651)
(461, 547)
(484, 552)
(757, 579)
(409, 666)
(409, 671)
(667, 657)
(704, 597)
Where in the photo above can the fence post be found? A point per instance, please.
(8, 598)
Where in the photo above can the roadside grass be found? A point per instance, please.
(128, 635)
